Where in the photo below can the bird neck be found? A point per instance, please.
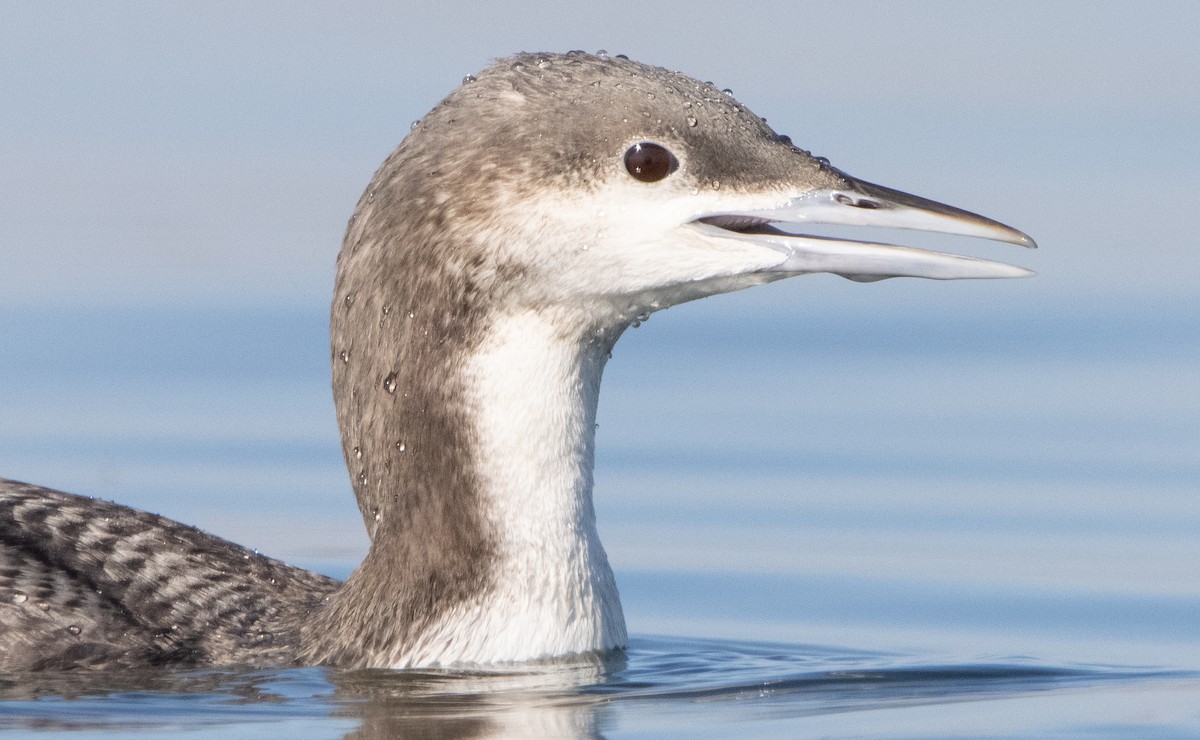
(472, 458)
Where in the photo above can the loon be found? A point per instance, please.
(491, 264)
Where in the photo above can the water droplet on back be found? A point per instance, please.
(691, 121)
(389, 383)
(74, 629)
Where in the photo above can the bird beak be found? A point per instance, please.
(858, 203)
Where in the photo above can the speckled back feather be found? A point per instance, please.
(92, 584)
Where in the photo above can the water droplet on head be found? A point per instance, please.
(517, 65)
(387, 310)
(19, 598)
(544, 64)
(412, 126)
(400, 446)
(357, 453)
(345, 356)
(692, 121)
(389, 383)
(602, 54)
(74, 629)
(349, 300)
(727, 91)
(362, 477)
(468, 79)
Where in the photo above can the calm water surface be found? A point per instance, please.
(891, 519)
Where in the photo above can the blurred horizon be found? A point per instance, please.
(211, 154)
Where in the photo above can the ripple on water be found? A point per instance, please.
(660, 686)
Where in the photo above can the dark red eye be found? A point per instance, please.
(649, 162)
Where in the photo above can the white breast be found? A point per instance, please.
(535, 385)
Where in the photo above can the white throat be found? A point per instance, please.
(533, 390)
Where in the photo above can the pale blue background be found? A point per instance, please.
(967, 469)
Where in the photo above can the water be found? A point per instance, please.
(660, 687)
(885, 517)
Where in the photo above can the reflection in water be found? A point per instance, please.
(537, 700)
(661, 685)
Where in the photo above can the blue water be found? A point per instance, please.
(905, 509)
(660, 687)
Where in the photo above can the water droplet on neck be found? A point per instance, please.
(389, 383)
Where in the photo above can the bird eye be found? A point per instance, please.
(649, 162)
